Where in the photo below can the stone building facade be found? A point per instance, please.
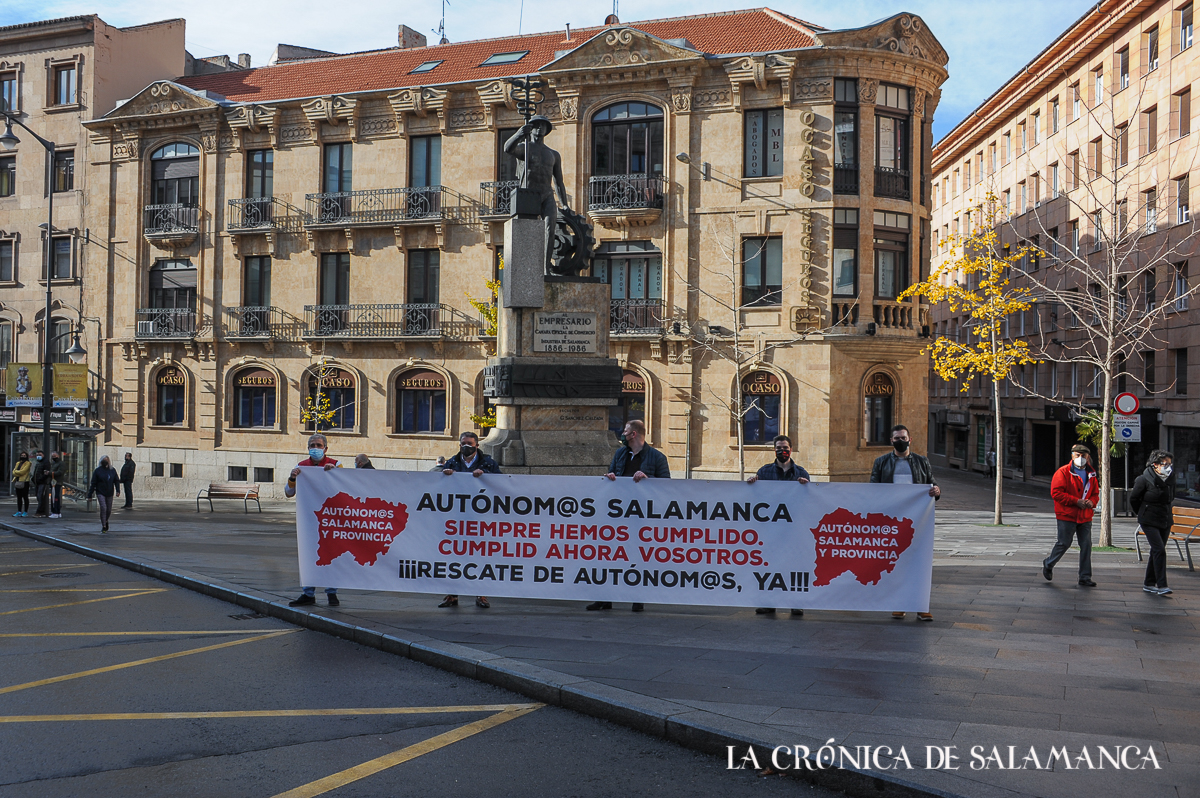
(311, 232)
(1101, 119)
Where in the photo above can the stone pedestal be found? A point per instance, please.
(552, 381)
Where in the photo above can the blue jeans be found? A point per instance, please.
(312, 591)
(1068, 532)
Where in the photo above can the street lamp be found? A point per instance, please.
(76, 353)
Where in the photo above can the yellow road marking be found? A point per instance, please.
(145, 634)
(145, 592)
(351, 775)
(269, 713)
(74, 589)
(163, 658)
(27, 568)
(18, 551)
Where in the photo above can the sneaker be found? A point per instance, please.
(303, 601)
(16, 515)
(333, 599)
(1150, 589)
(638, 607)
(482, 603)
(924, 616)
(56, 515)
(1086, 583)
(24, 515)
(898, 616)
(1162, 591)
(599, 605)
(797, 612)
(765, 611)
(448, 601)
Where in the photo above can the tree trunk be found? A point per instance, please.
(1106, 466)
(998, 517)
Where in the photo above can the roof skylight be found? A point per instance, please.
(428, 66)
(495, 59)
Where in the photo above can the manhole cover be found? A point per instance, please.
(62, 575)
(247, 616)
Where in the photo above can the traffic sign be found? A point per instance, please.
(1128, 428)
(1127, 404)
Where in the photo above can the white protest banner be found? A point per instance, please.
(839, 546)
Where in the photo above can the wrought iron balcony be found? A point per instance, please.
(261, 323)
(174, 217)
(263, 214)
(166, 323)
(893, 183)
(414, 320)
(625, 192)
(845, 179)
(637, 316)
(374, 207)
(496, 197)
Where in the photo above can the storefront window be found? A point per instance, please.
(878, 396)
(1014, 445)
(982, 437)
(1185, 445)
(761, 395)
(254, 399)
(331, 392)
(171, 397)
(421, 401)
(631, 404)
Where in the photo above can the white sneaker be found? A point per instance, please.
(1150, 589)
(1162, 591)
(56, 515)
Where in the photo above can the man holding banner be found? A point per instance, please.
(469, 460)
(781, 469)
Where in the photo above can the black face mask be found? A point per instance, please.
(467, 450)
(783, 455)
(901, 446)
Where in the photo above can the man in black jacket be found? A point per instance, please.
(58, 472)
(127, 471)
(638, 460)
(904, 467)
(469, 459)
(781, 469)
(41, 483)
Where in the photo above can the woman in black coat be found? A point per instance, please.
(1151, 497)
(106, 483)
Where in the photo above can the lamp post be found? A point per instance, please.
(7, 142)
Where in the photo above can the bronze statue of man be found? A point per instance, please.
(539, 172)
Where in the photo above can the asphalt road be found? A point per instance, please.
(114, 684)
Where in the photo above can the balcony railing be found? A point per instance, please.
(379, 206)
(636, 316)
(262, 214)
(625, 192)
(893, 315)
(892, 183)
(496, 197)
(845, 313)
(845, 179)
(173, 217)
(252, 322)
(166, 323)
(414, 320)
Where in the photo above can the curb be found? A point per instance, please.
(657, 717)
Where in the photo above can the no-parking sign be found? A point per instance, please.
(1126, 404)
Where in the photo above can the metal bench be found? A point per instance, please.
(1183, 533)
(229, 490)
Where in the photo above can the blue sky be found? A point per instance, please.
(987, 41)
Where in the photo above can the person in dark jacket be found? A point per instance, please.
(58, 473)
(105, 484)
(1151, 497)
(1076, 491)
(469, 459)
(362, 461)
(127, 470)
(41, 484)
(781, 469)
(905, 467)
(638, 460)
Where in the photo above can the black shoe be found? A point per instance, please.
(333, 599)
(638, 607)
(303, 601)
(1086, 583)
(797, 612)
(599, 605)
(103, 529)
(765, 611)
(1047, 572)
(448, 601)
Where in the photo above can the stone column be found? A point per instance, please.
(677, 398)
(867, 89)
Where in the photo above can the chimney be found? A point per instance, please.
(244, 60)
(409, 38)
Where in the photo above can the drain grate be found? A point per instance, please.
(247, 616)
(62, 575)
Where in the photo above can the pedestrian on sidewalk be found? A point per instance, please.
(58, 472)
(638, 460)
(22, 475)
(1151, 497)
(318, 447)
(781, 469)
(1075, 490)
(41, 484)
(469, 458)
(127, 470)
(106, 484)
(904, 467)
(990, 458)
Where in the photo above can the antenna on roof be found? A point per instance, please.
(521, 18)
(441, 28)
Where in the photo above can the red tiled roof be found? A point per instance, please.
(756, 30)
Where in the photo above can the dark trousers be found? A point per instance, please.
(22, 491)
(106, 503)
(43, 497)
(1156, 560)
(128, 488)
(1069, 532)
(56, 501)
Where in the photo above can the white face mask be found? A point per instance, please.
(1164, 471)
(1080, 462)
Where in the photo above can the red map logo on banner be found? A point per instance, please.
(364, 528)
(866, 547)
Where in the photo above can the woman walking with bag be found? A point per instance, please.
(1151, 497)
(22, 473)
(106, 483)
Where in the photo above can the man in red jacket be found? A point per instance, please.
(1075, 490)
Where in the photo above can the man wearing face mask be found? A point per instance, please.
(58, 471)
(469, 459)
(904, 467)
(318, 446)
(1151, 497)
(41, 484)
(1075, 490)
(782, 469)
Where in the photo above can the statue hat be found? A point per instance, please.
(541, 120)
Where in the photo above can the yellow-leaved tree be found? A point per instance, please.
(976, 282)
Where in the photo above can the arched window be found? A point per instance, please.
(421, 401)
(331, 394)
(254, 398)
(170, 402)
(631, 404)
(60, 340)
(762, 395)
(627, 139)
(877, 408)
(175, 170)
